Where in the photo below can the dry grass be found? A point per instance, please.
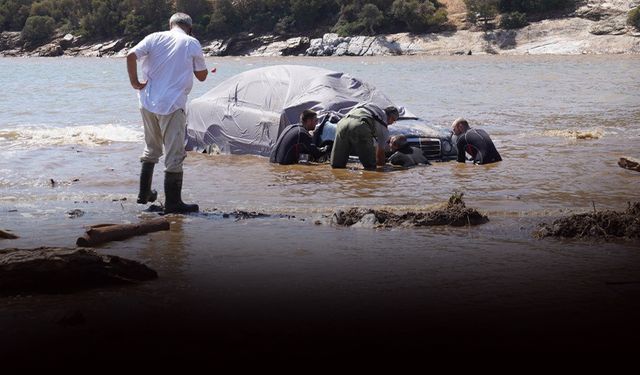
(456, 11)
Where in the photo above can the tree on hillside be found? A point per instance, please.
(64, 12)
(14, 14)
(371, 17)
(104, 19)
(199, 10)
(224, 19)
(633, 19)
(310, 14)
(348, 22)
(418, 15)
(535, 6)
(481, 10)
(38, 29)
(142, 17)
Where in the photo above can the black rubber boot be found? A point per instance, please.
(146, 176)
(173, 193)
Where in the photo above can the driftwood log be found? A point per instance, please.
(7, 235)
(60, 270)
(102, 233)
(629, 163)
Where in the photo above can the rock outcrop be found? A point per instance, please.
(596, 27)
(59, 270)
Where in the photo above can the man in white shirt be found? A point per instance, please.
(168, 58)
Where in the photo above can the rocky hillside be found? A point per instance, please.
(596, 27)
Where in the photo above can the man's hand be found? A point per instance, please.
(138, 85)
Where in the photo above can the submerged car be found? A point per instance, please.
(245, 113)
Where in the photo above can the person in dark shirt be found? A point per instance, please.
(296, 140)
(475, 142)
(405, 155)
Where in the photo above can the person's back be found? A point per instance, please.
(356, 133)
(293, 141)
(169, 60)
(167, 65)
(475, 142)
(478, 144)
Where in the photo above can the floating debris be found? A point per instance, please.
(576, 134)
(598, 224)
(629, 163)
(243, 215)
(455, 213)
(7, 235)
(76, 213)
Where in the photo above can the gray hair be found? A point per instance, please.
(181, 19)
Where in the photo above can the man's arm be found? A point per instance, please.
(461, 151)
(380, 156)
(132, 69)
(201, 75)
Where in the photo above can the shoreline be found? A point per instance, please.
(562, 36)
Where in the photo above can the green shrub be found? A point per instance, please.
(418, 15)
(481, 10)
(513, 20)
(371, 17)
(38, 28)
(535, 6)
(634, 18)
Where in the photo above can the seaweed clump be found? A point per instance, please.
(598, 224)
(454, 213)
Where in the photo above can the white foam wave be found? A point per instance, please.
(590, 133)
(85, 135)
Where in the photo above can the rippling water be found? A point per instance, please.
(70, 138)
(67, 119)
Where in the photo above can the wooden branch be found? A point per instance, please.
(7, 235)
(101, 233)
(629, 163)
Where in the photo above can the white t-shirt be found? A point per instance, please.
(169, 59)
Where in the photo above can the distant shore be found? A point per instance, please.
(598, 31)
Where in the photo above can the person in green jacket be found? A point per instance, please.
(363, 132)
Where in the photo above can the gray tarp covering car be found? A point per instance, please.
(245, 113)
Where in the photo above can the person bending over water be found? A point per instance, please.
(296, 140)
(475, 142)
(355, 134)
(405, 155)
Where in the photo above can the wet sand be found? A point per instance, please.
(283, 287)
(258, 288)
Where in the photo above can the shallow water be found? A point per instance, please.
(70, 138)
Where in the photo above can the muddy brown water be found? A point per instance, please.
(285, 284)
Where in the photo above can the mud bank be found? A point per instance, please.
(59, 270)
(453, 213)
(598, 224)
